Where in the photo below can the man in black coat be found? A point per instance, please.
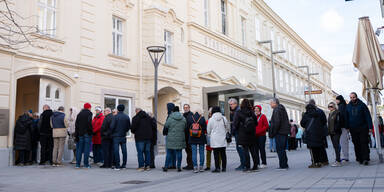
(234, 109)
(143, 128)
(121, 124)
(83, 135)
(46, 139)
(344, 138)
(22, 141)
(188, 116)
(106, 138)
(359, 124)
(279, 129)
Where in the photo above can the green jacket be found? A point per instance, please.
(176, 131)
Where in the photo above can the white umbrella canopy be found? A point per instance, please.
(368, 58)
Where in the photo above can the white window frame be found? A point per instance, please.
(257, 29)
(206, 13)
(117, 36)
(168, 43)
(259, 70)
(243, 31)
(223, 11)
(129, 134)
(43, 27)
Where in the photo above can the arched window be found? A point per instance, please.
(48, 91)
(57, 94)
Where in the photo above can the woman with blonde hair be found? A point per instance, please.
(71, 131)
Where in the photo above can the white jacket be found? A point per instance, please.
(217, 129)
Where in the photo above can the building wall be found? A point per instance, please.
(81, 58)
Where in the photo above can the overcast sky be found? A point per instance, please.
(329, 27)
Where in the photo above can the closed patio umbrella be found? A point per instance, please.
(368, 58)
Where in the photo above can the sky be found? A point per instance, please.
(329, 27)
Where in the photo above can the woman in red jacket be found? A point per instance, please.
(261, 130)
(96, 138)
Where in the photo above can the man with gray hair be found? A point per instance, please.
(106, 138)
(234, 108)
(279, 129)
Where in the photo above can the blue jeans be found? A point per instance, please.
(83, 146)
(107, 152)
(272, 144)
(169, 159)
(143, 149)
(240, 151)
(122, 142)
(281, 145)
(194, 154)
(97, 153)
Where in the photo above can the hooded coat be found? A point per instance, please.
(245, 138)
(96, 127)
(176, 131)
(314, 121)
(143, 126)
(45, 123)
(217, 129)
(342, 107)
(279, 122)
(22, 136)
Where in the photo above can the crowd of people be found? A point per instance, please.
(104, 133)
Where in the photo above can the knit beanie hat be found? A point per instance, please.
(87, 106)
(120, 107)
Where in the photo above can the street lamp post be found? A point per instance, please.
(308, 79)
(273, 64)
(156, 53)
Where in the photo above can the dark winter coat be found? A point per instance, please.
(35, 134)
(279, 122)
(83, 124)
(143, 127)
(342, 107)
(231, 118)
(316, 131)
(22, 137)
(121, 124)
(106, 132)
(57, 119)
(334, 123)
(188, 118)
(197, 140)
(358, 116)
(45, 123)
(244, 137)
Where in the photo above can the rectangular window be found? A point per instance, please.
(113, 101)
(292, 84)
(206, 13)
(117, 36)
(243, 31)
(259, 70)
(286, 81)
(47, 17)
(223, 17)
(169, 47)
(281, 78)
(257, 29)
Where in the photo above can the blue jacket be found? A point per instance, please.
(58, 120)
(358, 117)
(121, 124)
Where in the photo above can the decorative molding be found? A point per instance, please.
(251, 86)
(210, 75)
(164, 12)
(119, 57)
(231, 81)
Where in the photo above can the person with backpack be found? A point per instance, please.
(261, 131)
(217, 130)
(245, 122)
(292, 136)
(334, 131)
(197, 139)
(314, 122)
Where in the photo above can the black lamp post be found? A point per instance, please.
(156, 53)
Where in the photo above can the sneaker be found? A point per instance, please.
(73, 161)
(239, 168)
(207, 169)
(165, 169)
(336, 164)
(201, 169)
(54, 165)
(263, 166)
(255, 169)
(216, 171)
(316, 165)
(147, 168)
(195, 170)
(178, 169)
(140, 169)
(188, 168)
(365, 163)
(116, 169)
(281, 169)
(325, 163)
(88, 167)
(246, 170)
(99, 164)
(77, 167)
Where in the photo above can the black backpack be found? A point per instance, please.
(249, 124)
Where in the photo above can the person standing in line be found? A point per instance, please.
(188, 117)
(143, 128)
(96, 138)
(22, 137)
(344, 137)
(153, 141)
(197, 139)
(359, 124)
(121, 124)
(234, 108)
(59, 129)
(334, 131)
(292, 136)
(34, 137)
(217, 130)
(46, 140)
(279, 129)
(71, 132)
(314, 121)
(175, 141)
(170, 156)
(245, 122)
(106, 138)
(261, 131)
(299, 136)
(208, 147)
(83, 135)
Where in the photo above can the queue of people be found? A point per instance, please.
(105, 134)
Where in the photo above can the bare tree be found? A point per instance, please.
(15, 33)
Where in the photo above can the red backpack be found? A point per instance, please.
(195, 130)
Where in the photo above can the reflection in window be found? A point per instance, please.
(48, 91)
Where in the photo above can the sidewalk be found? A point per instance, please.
(351, 177)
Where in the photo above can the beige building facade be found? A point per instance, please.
(95, 51)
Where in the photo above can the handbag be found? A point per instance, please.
(228, 136)
(59, 132)
(71, 142)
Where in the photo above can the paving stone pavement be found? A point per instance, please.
(350, 177)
